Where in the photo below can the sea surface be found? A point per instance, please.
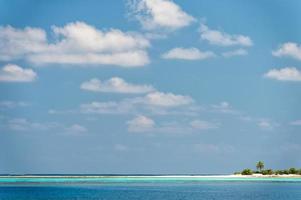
(150, 188)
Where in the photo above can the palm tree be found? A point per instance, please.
(260, 166)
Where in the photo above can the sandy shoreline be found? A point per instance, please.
(154, 176)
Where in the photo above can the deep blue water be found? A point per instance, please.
(215, 190)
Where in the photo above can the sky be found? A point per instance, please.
(149, 86)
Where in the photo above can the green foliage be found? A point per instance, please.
(270, 171)
(293, 171)
(278, 172)
(261, 170)
(267, 172)
(260, 165)
(286, 172)
(247, 172)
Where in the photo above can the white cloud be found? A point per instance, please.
(22, 124)
(296, 123)
(237, 52)
(25, 125)
(187, 54)
(265, 124)
(122, 59)
(12, 104)
(262, 123)
(289, 49)
(284, 74)
(150, 101)
(166, 99)
(173, 127)
(224, 107)
(76, 128)
(202, 125)
(116, 85)
(156, 103)
(216, 37)
(76, 43)
(87, 37)
(158, 14)
(141, 124)
(109, 107)
(14, 73)
(19, 124)
(148, 125)
(16, 43)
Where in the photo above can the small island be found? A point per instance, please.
(261, 171)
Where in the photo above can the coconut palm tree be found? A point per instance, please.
(260, 166)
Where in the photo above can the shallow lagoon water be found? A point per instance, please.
(150, 188)
(136, 179)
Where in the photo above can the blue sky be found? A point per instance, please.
(149, 86)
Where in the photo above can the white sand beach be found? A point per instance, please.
(156, 176)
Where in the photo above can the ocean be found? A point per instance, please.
(149, 188)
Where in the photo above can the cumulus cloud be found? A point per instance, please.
(296, 123)
(76, 128)
(122, 59)
(289, 49)
(75, 43)
(166, 99)
(187, 54)
(266, 124)
(219, 38)
(144, 124)
(140, 124)
(25, 125)
(284, 74)
(22, 124)
(15, 73)
(237, 52)
(115, 85)
(155, 102)
(15, 43)
(109, 107)
(158, 14)
(224, 107)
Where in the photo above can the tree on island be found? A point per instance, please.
(260, 166)
(247, 172)
(293, 171)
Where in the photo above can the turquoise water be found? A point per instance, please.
(135, 179)
(149, 188)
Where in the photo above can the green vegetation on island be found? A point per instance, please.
(260, 170)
